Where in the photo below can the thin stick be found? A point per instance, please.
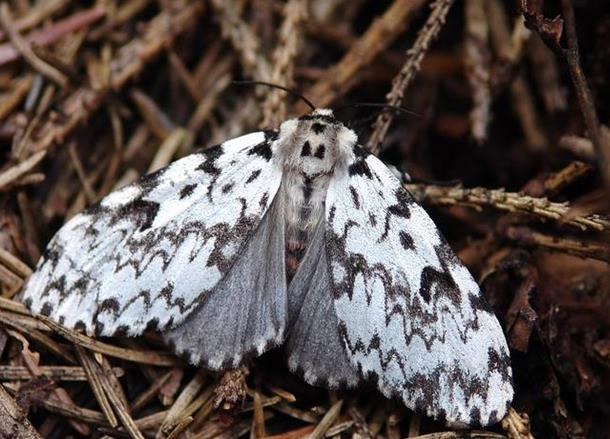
(56, 373)
(80, 172)
(415, 54)
(243, 38)
(578, 247)
(274, 107)
(21, 89)
(184, 399)
(507, 201)
(145, 357)
(96, 385)
(329, 418)
(14, 422)
(25, 49)
(477, 58)
(338, 79)
(583, 92)
(20, 169)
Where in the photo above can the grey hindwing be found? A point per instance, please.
(314, 349)
(245, 315)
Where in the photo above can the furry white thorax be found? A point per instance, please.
(315, 143)
(310, 149)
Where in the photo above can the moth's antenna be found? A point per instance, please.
(280, 87)
(378, 105)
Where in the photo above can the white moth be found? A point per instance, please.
(295, 237)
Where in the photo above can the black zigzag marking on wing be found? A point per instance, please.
(434, 284)
(153, 245)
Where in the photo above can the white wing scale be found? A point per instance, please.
(410, 315)
(148, 254)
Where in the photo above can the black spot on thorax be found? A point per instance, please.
(320, 151)
(320, 117)
(306, 150)
(318, 127)
(307, 188)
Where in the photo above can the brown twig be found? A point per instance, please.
(509, 53)
(583, 92)
(89, 366)
(150, 357)
(156, 119)
(10, 51)
(584, 249)
(129, 61)
(243, 38)
(274, 106)
(26, 51)
(517, 425)
(477, 68)
(339, 78)
(56, 373)
(579, 146)
(507, 201)
(14, 422)
(329, 418)
(13, 173)
(36, 14)
(258, 419)
(546, 73)
(80, 172)
(17, 94)
(175, 413)
(415, 54)
(550, 31)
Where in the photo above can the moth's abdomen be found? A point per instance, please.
(304, 207)
(295, 251)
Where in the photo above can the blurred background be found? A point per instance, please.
(505, 140)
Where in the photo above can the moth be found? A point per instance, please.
(294, 237)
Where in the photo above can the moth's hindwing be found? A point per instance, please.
(314, 348)
(151, 252)
(409, 313)
(246, 314)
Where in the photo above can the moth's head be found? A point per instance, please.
(315, 143)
